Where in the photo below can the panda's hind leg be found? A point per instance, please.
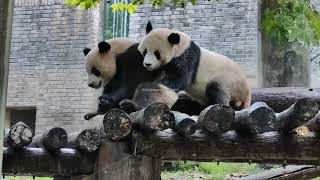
(216, 94)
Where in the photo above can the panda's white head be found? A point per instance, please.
(161, 45)
(100, 62)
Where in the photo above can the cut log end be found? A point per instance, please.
(88, 140)
(216, 119)
(306, 108)
(298, 114)
(117, 124)
(263, 118)
(158, 117)
(56, 138)
(19, 135)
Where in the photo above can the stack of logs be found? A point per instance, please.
(53, 152)
(215, 133)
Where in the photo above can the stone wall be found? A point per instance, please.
(47, 63)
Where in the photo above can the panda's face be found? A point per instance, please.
(100, 65)
(156, 52)
(158, 47)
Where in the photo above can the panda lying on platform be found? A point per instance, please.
(207, 77)
(116, 65)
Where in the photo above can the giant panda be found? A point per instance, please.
(207, 77)
(116, 66)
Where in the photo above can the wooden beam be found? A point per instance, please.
(6, 13)
(278, 99)
(39, 162)
(114, 163)
(268, 147)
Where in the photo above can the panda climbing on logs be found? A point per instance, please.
(116, 66)
(207, 77)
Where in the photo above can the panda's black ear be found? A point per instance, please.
(149, 27)
(174, 38)
(86, 51)
(104, 47)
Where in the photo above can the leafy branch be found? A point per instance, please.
(292, 21)
(130, 7)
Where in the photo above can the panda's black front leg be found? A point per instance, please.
(112, 99)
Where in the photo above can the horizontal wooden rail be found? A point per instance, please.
(39, 162)
(268, 147)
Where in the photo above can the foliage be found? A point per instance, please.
(292, 21)
(206, 170)
(84, 4)
(130, 7)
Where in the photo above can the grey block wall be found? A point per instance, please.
(228, 27)
(47, 63)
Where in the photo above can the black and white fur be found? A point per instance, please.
(207, 77)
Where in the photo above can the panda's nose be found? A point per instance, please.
(90, 84)
(147, 64)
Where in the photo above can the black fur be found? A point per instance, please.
(174, 38)
(86, 51)
(149, 27)
(216, 94)
(130, 73)
(104, 47)
(180, 72)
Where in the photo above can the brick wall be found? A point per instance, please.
(228, 27)
(47, 63)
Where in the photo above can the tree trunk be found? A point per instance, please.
(6, 13)
(282, 64)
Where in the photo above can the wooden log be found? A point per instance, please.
(184, 124)
(297, 114)
(278, 99)
(39, 162)
(20, 135)
(52, 139)
(314, 124)
(216, 119)
(155, 117)
(257, 119)
(86, 141)
(291, 172)
(271, 147)
(117, 124)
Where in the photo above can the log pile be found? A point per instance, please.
(263, 132)
(20, 136)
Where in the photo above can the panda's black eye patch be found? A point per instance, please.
(157, 54)
(145, 52)
(95, 72)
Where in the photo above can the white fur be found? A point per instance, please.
(105, 63)
(95, 122)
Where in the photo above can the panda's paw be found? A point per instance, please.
(129, 106)
(89, 116)
(105, 104)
